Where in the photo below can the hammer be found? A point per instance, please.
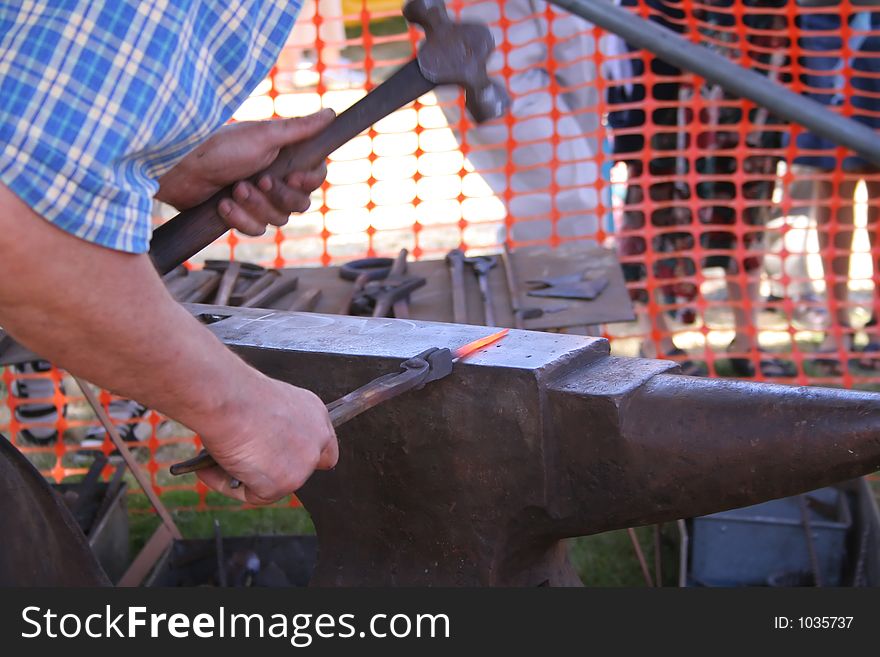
(452, 53)
(481, 266)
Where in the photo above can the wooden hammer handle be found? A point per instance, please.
(192, 230)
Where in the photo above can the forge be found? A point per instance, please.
(477, 478)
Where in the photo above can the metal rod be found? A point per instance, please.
(682, 553)
(643, 564)
(221, 559)
(811, 544)
(740, 81)
(658, 560)
(142, 478)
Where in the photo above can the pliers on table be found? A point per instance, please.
(379, 284)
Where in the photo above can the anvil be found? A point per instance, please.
(476, 479)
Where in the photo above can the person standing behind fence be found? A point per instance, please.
(552, 145)
(824, 186)
(672, 126)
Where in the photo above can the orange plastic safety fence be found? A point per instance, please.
(748, 244)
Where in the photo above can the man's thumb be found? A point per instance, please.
(288, 131)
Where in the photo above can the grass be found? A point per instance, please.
(609, 559)
(200, 524)
(602, 560)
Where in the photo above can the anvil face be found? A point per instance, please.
(395, 339)
(474, 479)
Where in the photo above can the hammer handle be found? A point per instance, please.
(342, 410)
(179, 239)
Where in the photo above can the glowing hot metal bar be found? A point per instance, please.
(476, 345)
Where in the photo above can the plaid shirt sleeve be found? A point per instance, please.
(99, 99)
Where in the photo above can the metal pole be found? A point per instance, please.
(734, 78)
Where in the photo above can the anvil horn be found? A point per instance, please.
(687, 446)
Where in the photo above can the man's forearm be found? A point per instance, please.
(106, 316)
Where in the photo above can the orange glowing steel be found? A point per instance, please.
(476, 345)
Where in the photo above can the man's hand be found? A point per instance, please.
(106, 316)
(235, 153)
(278, 438)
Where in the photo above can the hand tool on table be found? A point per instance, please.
(174, 274)
(264, 279)
(520, 314)
(231, 273)
(570, 286)
(452, 53)
(227, 283)
(512, 288)
(482, 265)
(455, 260)
(306, 302)
(416, 372)
(285, 282)
(178, 283)
(360, 272)
(204, 289)
(192, 286)
(366, 269)
(379, 288)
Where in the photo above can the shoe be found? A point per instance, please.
(688, 367)
(771, 368)
(827, 367)
(867, 364)
(42, 412)
(832, 366)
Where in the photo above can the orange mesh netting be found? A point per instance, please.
(748, 244)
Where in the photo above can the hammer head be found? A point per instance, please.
(458, 53)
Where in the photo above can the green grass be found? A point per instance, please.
(200, 524)
(602, 560)
(609, 559)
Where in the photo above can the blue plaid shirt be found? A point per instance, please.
(99, 99)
